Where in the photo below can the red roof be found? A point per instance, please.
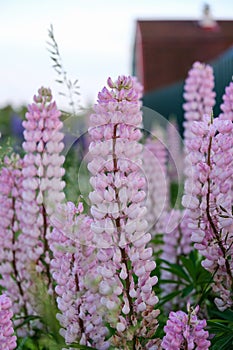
(165, 50)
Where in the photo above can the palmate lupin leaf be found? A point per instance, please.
(190, 275)
(223, 339)
(221, 325)
(71, 87)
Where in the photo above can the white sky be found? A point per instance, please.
(95, 38)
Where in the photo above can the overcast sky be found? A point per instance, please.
(95, 38)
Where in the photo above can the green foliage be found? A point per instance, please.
(76, 177)
(176, 193)
(222, 329)
(191, 277)
(5, 118)
(193, 280)
(193, 283)
(6, 114)
(6, 150)
(48, 337)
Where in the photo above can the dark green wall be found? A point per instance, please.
(169, 100)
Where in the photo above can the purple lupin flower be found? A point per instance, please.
(185, 331)
(7, 339)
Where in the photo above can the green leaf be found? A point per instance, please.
(223, 343)
(176, 270)
(190, 267)
(22, 343)
(168, 281)
(204, 277)
(217, 326)
(218, 320)
(226, 315)
(168, 297)
(186, 291)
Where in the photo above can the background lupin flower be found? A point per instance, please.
(74, 268)
(199, 101)
(175, 152)
(227, 105)
(185, 331)
(176, 243)
(157, 184)
(205, 156)
(13, 265)
(7, 339)
(209, 202)
(198, 94)
(118, 212)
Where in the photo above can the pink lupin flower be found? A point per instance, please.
(200, 100)
(185, 331)
(42, 184)
(118, 213)
(227, 105)
(208, 199)
(13, 264)
(74, 269)
(7, 339)
(199, 95)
